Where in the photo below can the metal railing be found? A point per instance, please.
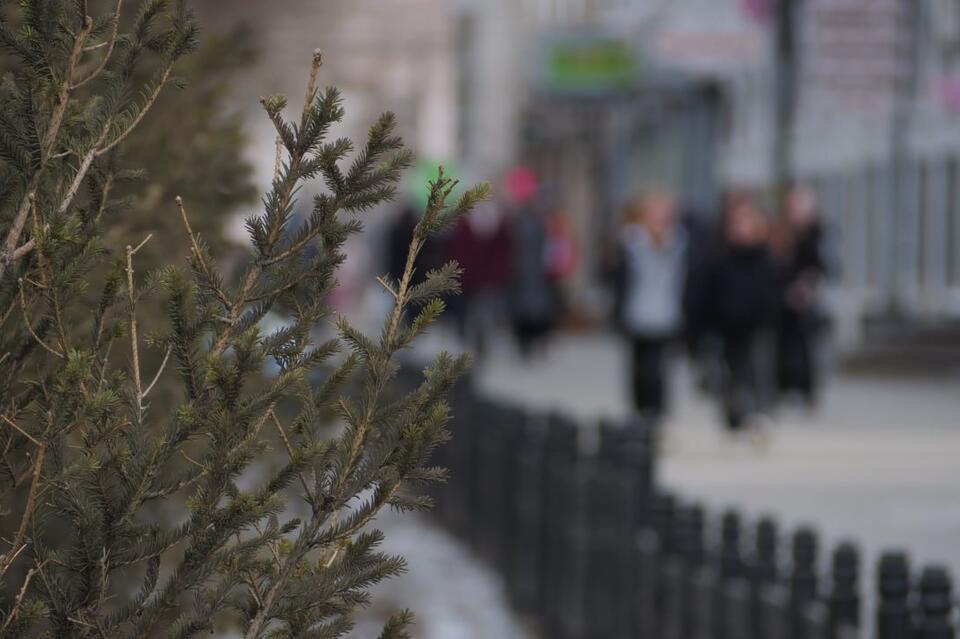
(590, 547)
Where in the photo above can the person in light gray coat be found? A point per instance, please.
(653, 273)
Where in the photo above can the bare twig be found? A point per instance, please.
(26, 321)
(9, 250)
(198, 255)
(131, 299)
(386, 286)
(278, 163)
(141, 244)
(20, 595)
(24, 249)
(20, 430)
(63, 99)
(143, 112)
(110, 44)
(192, 460)
(7, 560)
(312, 82)
(156, 377)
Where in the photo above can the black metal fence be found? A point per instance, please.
(591, 548)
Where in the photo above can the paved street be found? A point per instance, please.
(453, 594)
(879, 463)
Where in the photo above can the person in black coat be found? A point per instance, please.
(798, 247)
(741, 285)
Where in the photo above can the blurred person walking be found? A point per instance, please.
(797, 245)
(742, 289)
(650, 281)
(534, 303)
(481, 243)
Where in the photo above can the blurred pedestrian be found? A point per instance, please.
(798, 248)
(481, 244)
(701, 339)
(652, 274)
(534, 304)
(742, 288)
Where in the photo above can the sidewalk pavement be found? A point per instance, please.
(452, 593)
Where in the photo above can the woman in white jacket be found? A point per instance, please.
(653, 247)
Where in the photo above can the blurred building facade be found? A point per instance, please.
(400, 55)
(606, 97)
(874, 126)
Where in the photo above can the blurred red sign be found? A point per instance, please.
(760, 10)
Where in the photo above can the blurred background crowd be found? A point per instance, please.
(600, 101)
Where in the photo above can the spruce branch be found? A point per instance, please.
(141, 113)
(307, 492)
(110, 43)
(205, 268)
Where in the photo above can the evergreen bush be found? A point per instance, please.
(128, 519)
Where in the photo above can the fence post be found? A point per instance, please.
(803, 578)
(674, 576)
(815, 621)
(845, 590)
(730, 567)
(893, 588)
(607, 529)
(737, 620)
(935, 618)
(630, 451)
(527, 551)
(560, 515)
(764, 570)
(646, 582)
(642, 462)
(662, 513)
(690, 542)
(775, 612)
(459, 455)
(703, 598)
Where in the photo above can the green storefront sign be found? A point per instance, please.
(587, 64)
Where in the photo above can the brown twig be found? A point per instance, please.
(159, 371)
(386, 286)
(9, 250)
(134, 342)
(290, 451)
(143, 112)
(20, 430)
(20, 595)
(312, 82)
(110, 44)
(198, 256)
(278, 162)
(7, 559)
(26, 321)
(192, 460)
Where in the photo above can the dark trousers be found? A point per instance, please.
(746, 357)
(795, 365)
(649, 375)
